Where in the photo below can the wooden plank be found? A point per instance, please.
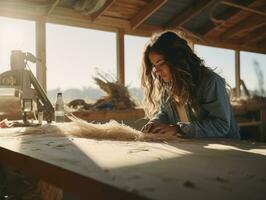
(66, 16)
(245, 25)
(143, 30)
(256, 35)
(189, 13)
(261, 43)
(146, 12)
(54, 4)
(197, 36)
(230, 17)
(139, 170)
(74, 182)
(105, 7)
(69, 17)
(237, 73)
(120, 47)
(243, 7)
(125, 10)
(40, 27)
(231, 44)
(249, 123)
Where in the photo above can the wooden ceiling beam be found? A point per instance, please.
(54, 4)
(254, 36)
(262, 44)
(245, 25)
(100, 12)
(232, 44)
(66, 16)
(144, 14)
(192, 34)
(210, 27)
(243, 7)
(189, 13)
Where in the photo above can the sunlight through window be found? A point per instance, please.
(73, 57)
(253, 72)
(16, 35)
(228, 147)
(133, 54)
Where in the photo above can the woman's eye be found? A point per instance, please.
(159, 65)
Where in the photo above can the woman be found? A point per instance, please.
(182, 96)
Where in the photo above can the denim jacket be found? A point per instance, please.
(214, 118)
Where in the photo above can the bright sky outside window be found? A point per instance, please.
(16, 35)
(253, 72)
(133, 54)
(74, 55)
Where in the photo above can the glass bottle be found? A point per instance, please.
(59, 108)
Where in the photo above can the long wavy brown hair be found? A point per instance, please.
(185, 66)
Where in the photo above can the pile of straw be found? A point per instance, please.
(117, 96)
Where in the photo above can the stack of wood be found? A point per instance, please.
(117, 97)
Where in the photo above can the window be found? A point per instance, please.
(16, 35)
(73, 57)
(253, 72)
(133, 55)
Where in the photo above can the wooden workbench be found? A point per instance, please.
(188, 169)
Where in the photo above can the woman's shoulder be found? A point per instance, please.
(209, 83)
(210, 77)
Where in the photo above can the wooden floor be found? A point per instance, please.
(190, 169)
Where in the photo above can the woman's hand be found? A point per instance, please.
(159, 128)
(147, 127)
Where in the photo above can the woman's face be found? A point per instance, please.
(160, 67)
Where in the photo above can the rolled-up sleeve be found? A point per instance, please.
(217, 105)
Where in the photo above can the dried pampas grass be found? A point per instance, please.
(107, 131)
